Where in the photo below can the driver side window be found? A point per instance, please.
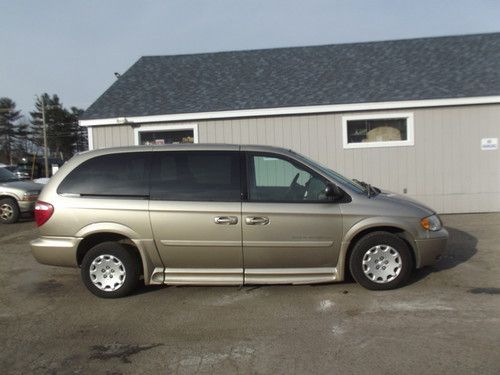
(274, 179)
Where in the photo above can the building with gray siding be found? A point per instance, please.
(419, 117)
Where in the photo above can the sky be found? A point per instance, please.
(72, 48)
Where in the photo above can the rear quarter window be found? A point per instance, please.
(122, 174)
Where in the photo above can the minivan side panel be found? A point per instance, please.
(195, 243)
(76, 213)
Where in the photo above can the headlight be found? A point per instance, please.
(30, 195)
(431, 223)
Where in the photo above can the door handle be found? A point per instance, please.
(256, 220)
(226, 220)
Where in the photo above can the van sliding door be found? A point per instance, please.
(195, 212)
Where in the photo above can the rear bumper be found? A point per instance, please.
(56, 251)
(430, 250)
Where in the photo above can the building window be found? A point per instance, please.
(166, 134)
(379, 130)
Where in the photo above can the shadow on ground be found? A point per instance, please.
(143, 289)
(26, 218)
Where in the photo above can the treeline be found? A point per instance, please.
(21, 137)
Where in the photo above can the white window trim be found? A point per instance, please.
(409, 130)
(165, 127)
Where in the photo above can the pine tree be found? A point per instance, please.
(23, 138)
(81, 142)
(9, 131)
(36, 120)
(61, 135)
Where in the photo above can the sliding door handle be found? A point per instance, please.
(256, 220)
(226, 220)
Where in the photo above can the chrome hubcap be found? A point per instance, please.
(6, 212)
(107, 272)
(382, 264)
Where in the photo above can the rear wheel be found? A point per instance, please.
(110, 270)
(9, 211)
(381, 261)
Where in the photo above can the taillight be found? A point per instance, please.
(43, 212)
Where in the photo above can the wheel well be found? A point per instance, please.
(94, 239)
(401, 233)
(9, 196)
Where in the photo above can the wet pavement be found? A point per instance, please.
(446, 321)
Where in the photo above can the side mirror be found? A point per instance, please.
(333, 191)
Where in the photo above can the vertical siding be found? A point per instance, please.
(112, 136)
(445, 168)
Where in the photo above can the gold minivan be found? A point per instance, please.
(226, 215)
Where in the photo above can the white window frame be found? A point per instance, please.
(165, 127)
(378, 116)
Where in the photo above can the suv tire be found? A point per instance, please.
(9, 211)
(110, 270)
(381, 261)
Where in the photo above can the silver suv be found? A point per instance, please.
(16, 197)
(226, 215)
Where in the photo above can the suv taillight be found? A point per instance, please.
(43, 212)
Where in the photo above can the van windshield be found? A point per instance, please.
(357, 187)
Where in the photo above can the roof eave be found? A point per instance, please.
(263, 112)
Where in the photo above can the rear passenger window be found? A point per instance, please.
(123, 174)
(196, 176)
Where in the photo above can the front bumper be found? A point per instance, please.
(26, 206)
(56, 251)
(431, 249)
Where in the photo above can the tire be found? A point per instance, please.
(381, 261)
(118, 262)
(9, 211)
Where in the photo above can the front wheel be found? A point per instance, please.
(9, 211)
(381, 261)
(110, 270)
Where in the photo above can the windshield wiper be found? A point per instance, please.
(370, 190)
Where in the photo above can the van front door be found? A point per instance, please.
(195, 212)
(291, 230)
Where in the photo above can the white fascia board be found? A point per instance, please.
(294, 110)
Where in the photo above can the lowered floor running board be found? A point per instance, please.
(234, 276)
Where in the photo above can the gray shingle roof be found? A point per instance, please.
(412, 69)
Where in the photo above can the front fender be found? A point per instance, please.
(381, 222)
